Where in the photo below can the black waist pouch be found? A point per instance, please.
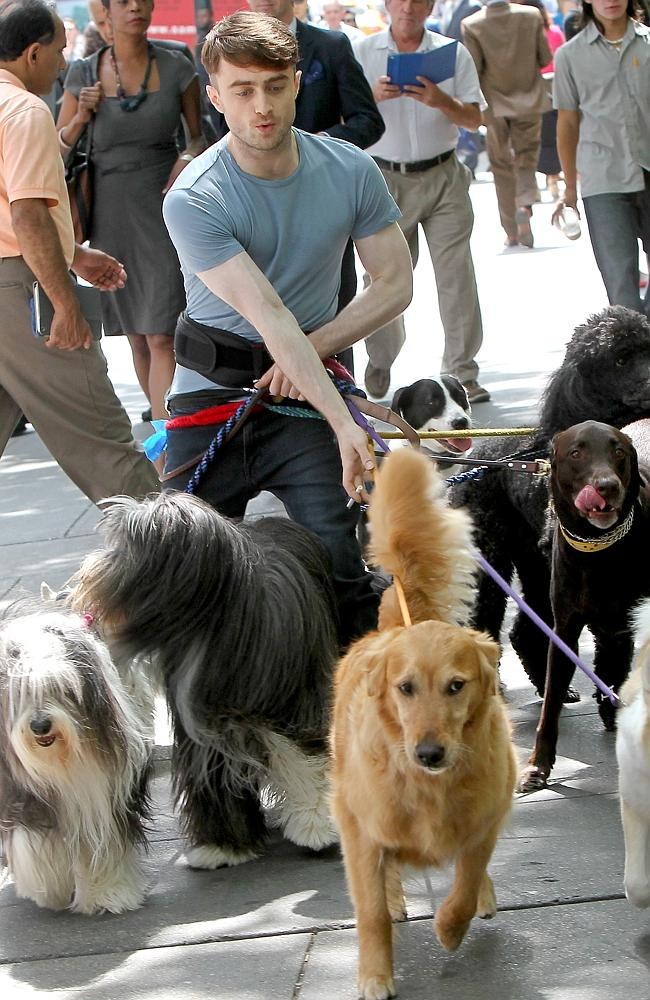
(223, 357)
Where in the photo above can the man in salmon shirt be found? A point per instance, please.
(61, 383)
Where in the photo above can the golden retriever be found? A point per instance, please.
(424, 768)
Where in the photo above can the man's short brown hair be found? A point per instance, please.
(249, 39)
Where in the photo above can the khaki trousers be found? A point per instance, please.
(68, 398)
(513, 146)
(438, 200)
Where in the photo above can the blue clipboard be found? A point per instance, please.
(436, 65)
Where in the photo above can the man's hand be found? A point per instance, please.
(357, 464)
(69, 330)
(384, 90)
(570, 200)
(278, 384)
(428, 93)
(99, 268)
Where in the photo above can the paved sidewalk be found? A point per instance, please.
(281, 928)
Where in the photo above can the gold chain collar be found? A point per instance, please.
(597, 544)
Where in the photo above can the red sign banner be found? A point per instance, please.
(175, 20)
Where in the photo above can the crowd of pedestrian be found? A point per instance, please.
(230, 197)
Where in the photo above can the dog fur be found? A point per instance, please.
(74, 765)
(239, 621)
(633, 756)
(437, 404)
(595, 487)
(605, 376)
(423, 764)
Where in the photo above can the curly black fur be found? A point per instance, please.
(605, 376)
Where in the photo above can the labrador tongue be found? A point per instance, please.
(459, 444)
(589, 499)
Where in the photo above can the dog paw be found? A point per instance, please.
(531, 779)
(376, 987)
(450, 932)
(572, 696)
(487, 901)
(312, 829)
(638, 893)
(607, 713)
(209, 857)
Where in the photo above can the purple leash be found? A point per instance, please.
(548, 632)
(359, 418)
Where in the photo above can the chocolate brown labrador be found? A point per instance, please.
(600, 523)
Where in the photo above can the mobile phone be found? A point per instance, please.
(42, 310)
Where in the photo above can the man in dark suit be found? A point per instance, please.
(334, 98)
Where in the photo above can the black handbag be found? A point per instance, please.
(79, 178)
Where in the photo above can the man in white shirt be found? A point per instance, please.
(333, 21)
(417, 157)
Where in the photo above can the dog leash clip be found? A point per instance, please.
(543, 467)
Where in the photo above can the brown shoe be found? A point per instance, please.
(524, 232)
(475, 392)
(377, 381)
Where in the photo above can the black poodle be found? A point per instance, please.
(605, 376)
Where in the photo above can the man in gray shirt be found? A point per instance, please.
(601, 89)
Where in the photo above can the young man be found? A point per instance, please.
(61, 386)
(601, 91)
(260, 222)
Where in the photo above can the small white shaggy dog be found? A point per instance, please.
(633, 754)
(74, 765)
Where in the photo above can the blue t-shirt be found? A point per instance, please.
(294, 229)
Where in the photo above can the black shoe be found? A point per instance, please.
(145, 416)
(377, 381)
(475, 392)
(20, 427)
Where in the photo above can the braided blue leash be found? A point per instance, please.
(466, 477)
(217, 441)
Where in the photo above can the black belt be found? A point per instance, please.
(415, 167)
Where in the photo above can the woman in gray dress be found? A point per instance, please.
(135, 95)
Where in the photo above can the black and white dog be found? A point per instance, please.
(437, 404)
(239, 621)
(74, 765)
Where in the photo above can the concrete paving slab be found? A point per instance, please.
(556, 850)
(592, 951)
(53, 560)
(261, 969)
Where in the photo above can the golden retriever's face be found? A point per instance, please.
(431, 681)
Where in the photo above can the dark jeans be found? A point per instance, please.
(616, 222)
(297, 459)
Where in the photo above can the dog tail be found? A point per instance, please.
(641, 626)
(419, 539)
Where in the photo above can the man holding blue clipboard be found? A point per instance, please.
(426, 87)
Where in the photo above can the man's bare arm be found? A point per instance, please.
(460, 113)
(386, 258)
(41, 249)
(568, 133)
